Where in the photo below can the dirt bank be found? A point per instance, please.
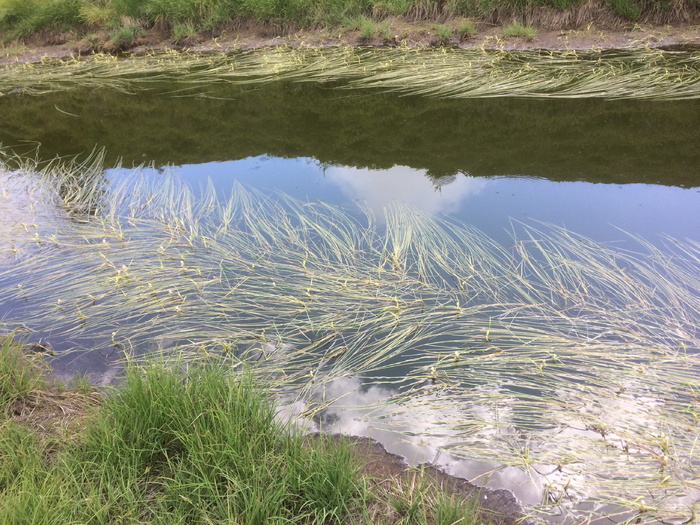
(410, 34)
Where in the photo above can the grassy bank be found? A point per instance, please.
(124, 21)
(184, 447)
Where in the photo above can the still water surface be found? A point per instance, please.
(588, 164)
(602, 169)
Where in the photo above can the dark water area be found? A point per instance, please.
(588, 140)
(591, 165)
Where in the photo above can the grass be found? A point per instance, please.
(453, 73)
(200, 444)
(518, 30)
(126, 35)
(443, 34)
(366, 28)
(466, 30)
(19, 374)
(555, 351)
(20, 18)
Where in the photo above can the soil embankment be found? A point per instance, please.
(418, 34)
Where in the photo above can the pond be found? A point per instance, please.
(486, 260)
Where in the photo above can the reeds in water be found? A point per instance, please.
(630, 74)
(574, 361)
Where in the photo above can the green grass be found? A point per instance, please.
(519, 30)
(177, 444)
(19, 373)
(19, 18)
(443, 34)
(628, 9)
(466, 30)
(23, 17)
(125, 36)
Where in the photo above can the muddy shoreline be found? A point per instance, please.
(418, 34)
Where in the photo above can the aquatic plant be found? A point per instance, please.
(455, 73)
(573, 361)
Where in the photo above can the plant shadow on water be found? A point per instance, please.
(561, 364)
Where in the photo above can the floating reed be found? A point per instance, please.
(444, 72)
(574, 361)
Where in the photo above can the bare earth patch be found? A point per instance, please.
(387, 469)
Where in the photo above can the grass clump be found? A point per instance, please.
(19, 373)
(466, 29)
(519, 30)
(176, 445)
(126, 35)
(193, 446)
(443, 34)
(213, 450)
(366, 27)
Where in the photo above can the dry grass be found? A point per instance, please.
(55, 416)
(635, 74)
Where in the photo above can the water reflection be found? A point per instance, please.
(605, 212)
(403, 184)
(562, 140)
(510, 356)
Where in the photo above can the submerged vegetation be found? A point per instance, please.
(182, 18)
(192, 446)
(572, 361)
(475, 73)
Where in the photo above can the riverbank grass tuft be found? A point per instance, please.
(20, 374)
(519, 30)
(178, 444)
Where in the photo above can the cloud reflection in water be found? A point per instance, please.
(406, 185)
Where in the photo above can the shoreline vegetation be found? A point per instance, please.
(64, 27)
(192, 444)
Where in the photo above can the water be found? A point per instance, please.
(607, 170)
(584, 163)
